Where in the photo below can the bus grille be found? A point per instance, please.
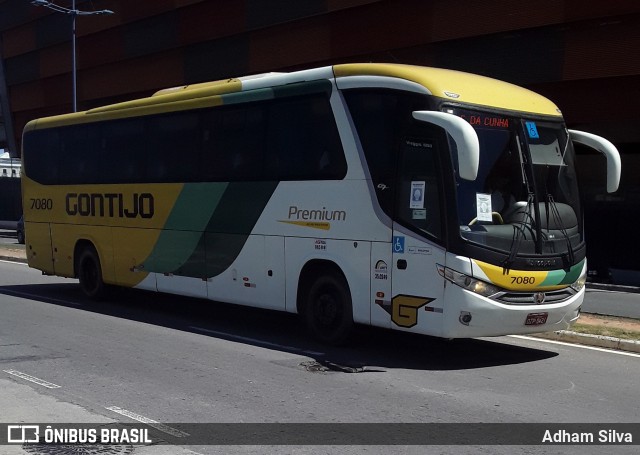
(533, 298)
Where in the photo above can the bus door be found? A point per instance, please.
(417, 288)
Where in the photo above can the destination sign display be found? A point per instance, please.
(484, 120)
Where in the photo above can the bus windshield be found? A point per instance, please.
(526, 174)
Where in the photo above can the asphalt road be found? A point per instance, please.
(7, 237)
(173, 359)
(612, 302)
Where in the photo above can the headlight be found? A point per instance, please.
(580, 282)
(468, 283)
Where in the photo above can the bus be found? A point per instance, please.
(9, 167)
(412, 198)
(10, 196)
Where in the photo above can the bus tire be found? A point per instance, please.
(20, 236)
(328, 312)
(89, 274)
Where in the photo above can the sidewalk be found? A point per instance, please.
(17, 253)
(22, 403)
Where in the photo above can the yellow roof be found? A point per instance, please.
(459, 86)
(451, 85)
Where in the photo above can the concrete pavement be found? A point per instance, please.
(20, 403)
(23, 404)
(16, 253)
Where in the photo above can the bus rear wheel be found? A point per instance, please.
(90, 274)
(328, 311)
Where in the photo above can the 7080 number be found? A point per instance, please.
(523, 280)
(41, 204)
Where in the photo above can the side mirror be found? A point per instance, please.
(464, 136)
(607, 149)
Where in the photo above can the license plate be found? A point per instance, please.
(536, 319)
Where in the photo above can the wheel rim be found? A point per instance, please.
(327, 309)
(89, 275)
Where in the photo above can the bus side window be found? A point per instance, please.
(381, 116)
(174, 147)
(418, 196)
(43, 163)
(212, 156)
(303, 141)
(247, 142)
(233, 143)
(124, 153)
(79, 154)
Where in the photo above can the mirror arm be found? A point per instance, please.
(464, 136)
(607, 149)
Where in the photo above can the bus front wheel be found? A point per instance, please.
(327, 311)
(90, 274)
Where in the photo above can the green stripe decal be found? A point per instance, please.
(233, 221)
(208, 227)
(574, 273)
(182, 232)
(285, 91)
(195, 205)
(560, 277)
(247, 97)
(553, 278)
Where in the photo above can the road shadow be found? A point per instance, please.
(8, 234)
(369, 350)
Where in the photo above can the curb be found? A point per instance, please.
(13, 259)
(600, 341)
(613, 287)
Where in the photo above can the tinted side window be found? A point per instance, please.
(213, 156)
(174, 144)
(381, 117)
(303, 140)
(41, 155)
(79, 152)
(418, 195)
(124, 150)
(241, 142)
(288, 138)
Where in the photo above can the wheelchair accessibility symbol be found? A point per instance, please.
(398, 244)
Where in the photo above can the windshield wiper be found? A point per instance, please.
(519, 233)
(557, 219)
(555, 213)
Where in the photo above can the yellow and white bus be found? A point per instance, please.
(413, 198)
